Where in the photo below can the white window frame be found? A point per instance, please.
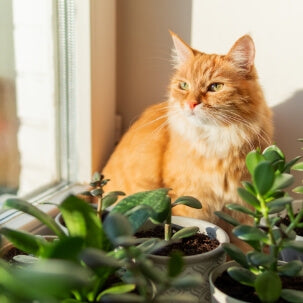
(95, 94)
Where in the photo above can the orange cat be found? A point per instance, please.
(196, 142)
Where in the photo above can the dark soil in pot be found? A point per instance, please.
(11, 253)
(245, 293)
(194, 245)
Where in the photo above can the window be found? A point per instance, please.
(37, 97)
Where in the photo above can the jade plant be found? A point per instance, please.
(156, 205)
(108, 253)
(265, 196)
(97, 183)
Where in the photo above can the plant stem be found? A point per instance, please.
(99, 208)
(167, 227)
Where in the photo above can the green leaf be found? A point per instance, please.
(280, 202)
(111, 198)
(249, 198)
(124, 298)
(185, 232)
(298, 190)
(138, 215)
(298, 166)
(291, 295)
(157, 199)
(236, 254)
(289, 165)
(32, 210)
(241, 209)
(25, 259)
(268, 286)
(263, 177)
(186, 282)
(282, 181)
(249, 187)
(227, 218)
(242, 275)
(25, 241)
(148, 269)
(81, 221)
(279, 155)
(260, 259)
(291, 268)
(97, 177)
(116, 225)
(188, 201)
(97, 192)
(297, 245)
(117, 290)
(253, 158)
(175, 264)
(249, 233)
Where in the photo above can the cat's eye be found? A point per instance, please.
(215, 87)
(183, 85)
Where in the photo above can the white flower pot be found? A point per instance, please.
(200, 264)
(217, 296)
(289, 254)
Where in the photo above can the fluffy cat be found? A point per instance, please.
(196, 141)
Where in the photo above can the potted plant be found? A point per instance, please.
(104, 251)
(259, 271)
(159, 205)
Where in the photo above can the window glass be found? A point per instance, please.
(35, 80)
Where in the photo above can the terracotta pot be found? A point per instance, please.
(200, 264)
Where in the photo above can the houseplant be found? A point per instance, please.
(260, 269)
(103, 251)
(159, 203)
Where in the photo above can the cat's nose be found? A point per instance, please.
(192, 103)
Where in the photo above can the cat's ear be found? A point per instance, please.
(243, 53)
(184, 51)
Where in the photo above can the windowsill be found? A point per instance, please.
(18, 220)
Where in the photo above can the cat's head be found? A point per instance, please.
(214, 89)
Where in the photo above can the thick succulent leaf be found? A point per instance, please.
(260, 259)
(249, 198)
(34, 211)
(153, 273)
(297, 245)
(250, 233)
(268, 286)
(242, 275)
(188, 201)
(157, 199)
(227, 218)
(282, 181)
(292, 295)
(253, 158)
(289, 165)
(263, 177)
(81, 221)
(185, 232)
(291, 268)
(298, 166)
(241, 209)
(298, 190)
(236, 254)
(249, 187)
(280, 202)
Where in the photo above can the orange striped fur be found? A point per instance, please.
(196, 141)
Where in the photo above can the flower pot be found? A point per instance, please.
(217, 296)
(289, 254)
(200, 264)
